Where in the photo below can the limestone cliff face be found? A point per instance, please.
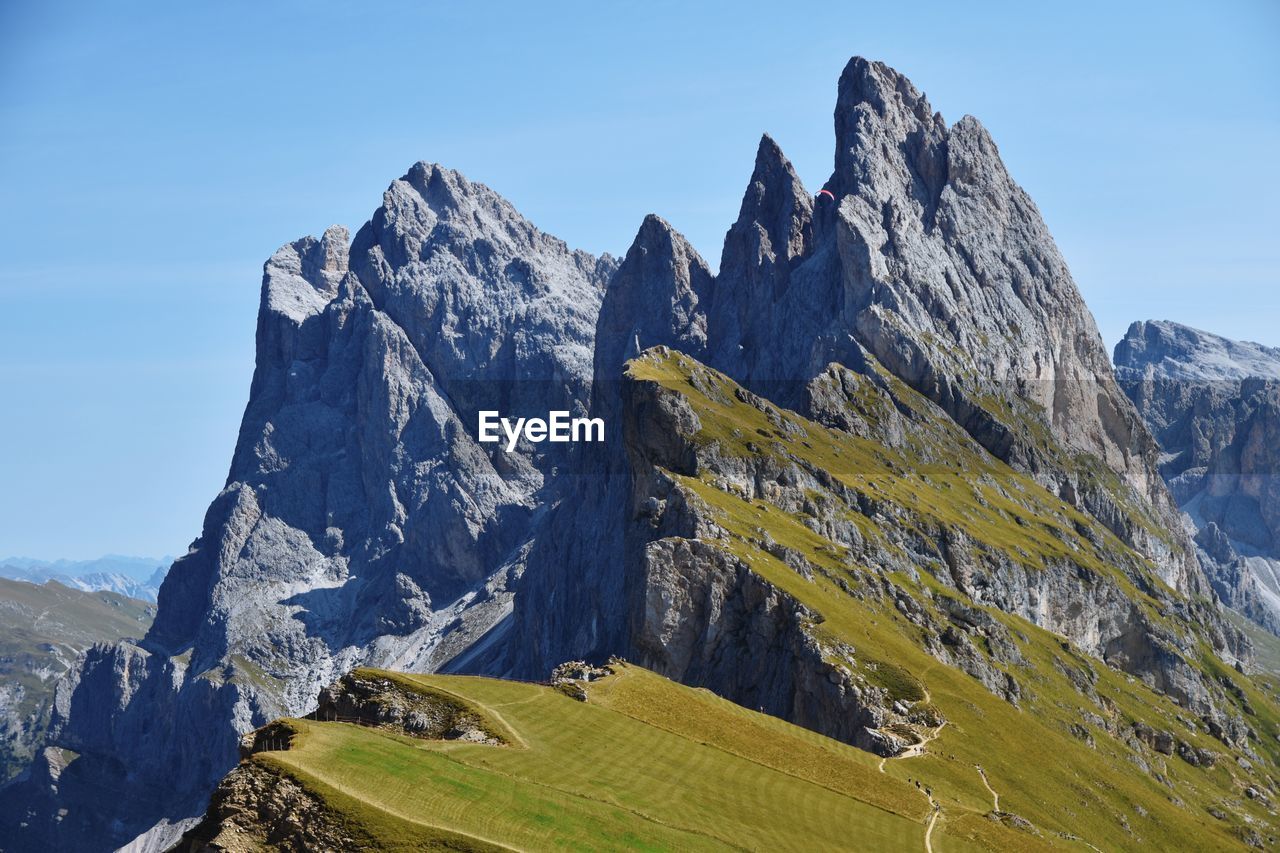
(579, 568)
(361, 520)
(1214, 406)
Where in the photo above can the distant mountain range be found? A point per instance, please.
(133, 577)
(44, 628)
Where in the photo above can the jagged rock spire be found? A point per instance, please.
(657, 296)
(775, 205)
(773, 233)
(879, 111)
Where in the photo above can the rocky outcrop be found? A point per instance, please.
(1214, 406)
(362, 522)
(372, 698)
(259, 807)
(708, 620)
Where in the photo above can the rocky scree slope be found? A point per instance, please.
(361, 521)
(1214, 406)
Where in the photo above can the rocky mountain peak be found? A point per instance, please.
(879, 114)
(777, 201)
(656, 297)
(776, 211)
(502, 314)
(362, 520)
(885, 90)
(1160, 349)
(1214, 406)
(773, 234)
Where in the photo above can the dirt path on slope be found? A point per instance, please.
(913, 751)
(933, 818)
(995, 798)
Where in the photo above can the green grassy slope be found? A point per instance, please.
(643, 764)
(42, 629)
(1048, 758)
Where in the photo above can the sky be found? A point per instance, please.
(153, 155)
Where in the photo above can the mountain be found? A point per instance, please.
(875, 477)
(1214, 406)
(361, 521)
(923, 262)
(43, 629)
(132, 577)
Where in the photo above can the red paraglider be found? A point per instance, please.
(827, 193)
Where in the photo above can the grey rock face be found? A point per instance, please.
(772, 236)
(361, 520)
(656, 297)
(1214, 406)
(709, 621)
(581, 567)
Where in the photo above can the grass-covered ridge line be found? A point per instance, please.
(944, 477)
(1063, 758)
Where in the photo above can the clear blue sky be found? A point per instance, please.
(152, 155)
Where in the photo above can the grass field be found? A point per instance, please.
(644, 764)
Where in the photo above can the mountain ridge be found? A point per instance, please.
(917, 315)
